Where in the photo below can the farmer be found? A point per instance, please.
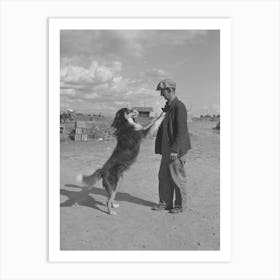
(173, 143)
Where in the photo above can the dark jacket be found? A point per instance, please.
(177, 129)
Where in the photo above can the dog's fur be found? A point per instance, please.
(129, 136)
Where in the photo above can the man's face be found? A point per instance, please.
(165, 93)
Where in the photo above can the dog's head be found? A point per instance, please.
(124, 118)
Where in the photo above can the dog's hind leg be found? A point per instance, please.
(113, 204)
(110, 204)
(109, 188)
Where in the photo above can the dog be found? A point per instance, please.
(129, 136)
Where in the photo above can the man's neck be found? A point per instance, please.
(171, 99)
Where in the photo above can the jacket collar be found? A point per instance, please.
(169, 107)
(173, 102)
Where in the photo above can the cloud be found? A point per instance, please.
(108, 69)
(215, 108)
(95, 74)
(67, 91)
(91, 95)
(132, 41)
(211, 109)
(99, 87)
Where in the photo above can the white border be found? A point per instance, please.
(55, 25)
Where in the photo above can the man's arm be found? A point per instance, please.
(153, 126)
(180, 126)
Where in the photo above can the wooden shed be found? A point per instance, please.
(143, 111)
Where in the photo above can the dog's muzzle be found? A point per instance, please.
(134, 114)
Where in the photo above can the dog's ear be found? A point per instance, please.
(119, 119)
(116, 121)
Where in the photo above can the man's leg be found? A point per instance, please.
(165, 187)
(178, 174)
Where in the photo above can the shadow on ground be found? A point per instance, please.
(84, 198)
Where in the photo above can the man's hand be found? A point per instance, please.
(173, 156)
(162, 114)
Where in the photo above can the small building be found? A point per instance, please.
(144, 116)
(144, 111)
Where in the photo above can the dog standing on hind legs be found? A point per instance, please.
(129, 136)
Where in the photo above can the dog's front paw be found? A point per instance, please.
(138, 126)
(114, 205)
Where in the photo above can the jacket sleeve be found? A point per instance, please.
(179, 128)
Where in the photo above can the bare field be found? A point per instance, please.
(85, 224)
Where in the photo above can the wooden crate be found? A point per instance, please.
(79, 130)
(84, 137)
(87, 130)
(62, 129)
(78, 137)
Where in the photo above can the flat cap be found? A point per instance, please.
(166, 83)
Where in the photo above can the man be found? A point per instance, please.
(172, 142)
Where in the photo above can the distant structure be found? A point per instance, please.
(210, 118)
(83, 117)
(144, 111)
(217, 126)
(144, 114)
(67, 116)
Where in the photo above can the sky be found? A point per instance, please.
(102, 71)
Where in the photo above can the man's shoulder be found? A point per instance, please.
(179, 104)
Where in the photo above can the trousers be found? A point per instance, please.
(172, 180)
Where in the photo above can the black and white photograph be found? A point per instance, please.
(165, 189)
(139, 139)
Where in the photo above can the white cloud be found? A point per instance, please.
(95, 74)
(67, 91)
(211, 109)
(215, 108)
(119, 85)
(103, 74)
(111, 68)
(133, 41)
(101, 86)
(74, 74)
(122, 103)
(117, 67)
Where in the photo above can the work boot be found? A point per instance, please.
(161, 207)
(176, 210)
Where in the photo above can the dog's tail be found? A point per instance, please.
(92, 179)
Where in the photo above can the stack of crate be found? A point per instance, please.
(63, 134)
(82, 129)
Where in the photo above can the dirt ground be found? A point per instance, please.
(85, 224)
